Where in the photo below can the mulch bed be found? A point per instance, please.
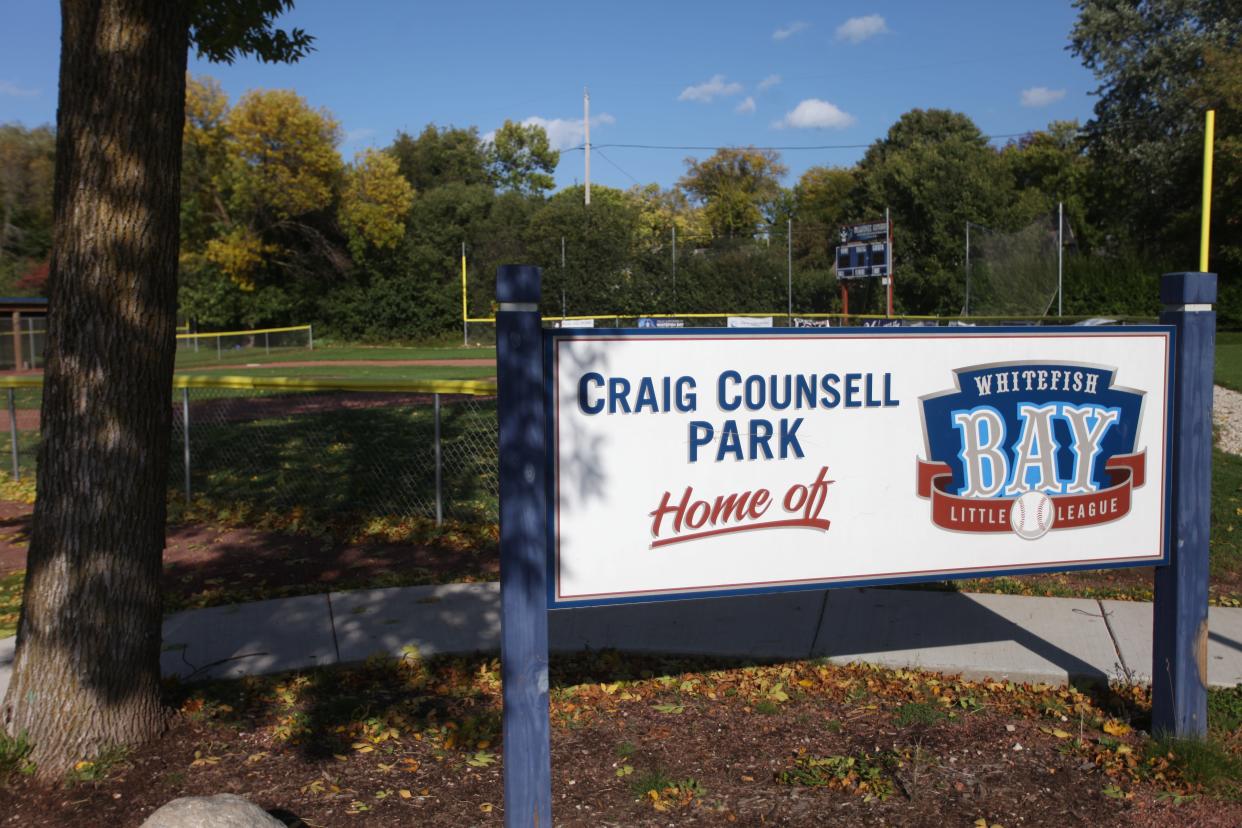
(639, 742)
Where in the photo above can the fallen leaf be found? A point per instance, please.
(1115, 728)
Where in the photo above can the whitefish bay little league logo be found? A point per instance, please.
(1031, 448)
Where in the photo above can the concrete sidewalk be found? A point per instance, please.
(1001, 636)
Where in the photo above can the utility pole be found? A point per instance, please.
(586, 123)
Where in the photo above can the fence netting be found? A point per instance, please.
(325, 456)
(1015, 272)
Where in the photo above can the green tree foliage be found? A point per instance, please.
(822, 204)
(1051, 167)
(224, 30)
(441, 155)
(600, 241)
(1220, 88)
(738, 188)
(26, 162)
(1151, 60)
(521, 159)
(935, 171)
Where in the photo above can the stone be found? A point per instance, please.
(219, 811)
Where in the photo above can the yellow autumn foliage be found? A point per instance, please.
(283, 154)
(374, 202)
(238, 254)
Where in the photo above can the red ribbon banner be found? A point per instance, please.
(987, 514)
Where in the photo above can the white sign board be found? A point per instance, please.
(712, 462)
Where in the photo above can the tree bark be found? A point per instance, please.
(86, 672)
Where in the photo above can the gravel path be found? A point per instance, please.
(1227, 417)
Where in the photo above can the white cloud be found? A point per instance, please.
(1041, 96)
(12, 90)
(747, 106)
(563, 133)
(706, 92)
(858, 29)
(815, 114)
(768, 82)
(790, 30)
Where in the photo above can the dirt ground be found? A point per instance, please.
(206, 565)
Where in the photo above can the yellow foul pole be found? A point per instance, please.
(1208, 135)
(465, 326)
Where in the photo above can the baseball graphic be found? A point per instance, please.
(1032, 515)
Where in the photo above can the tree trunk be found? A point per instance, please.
(86, 673)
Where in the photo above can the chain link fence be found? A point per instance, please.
(22, 341)
(321, 450)
(239, 347)
(482, 330)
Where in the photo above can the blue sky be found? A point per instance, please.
(781, 74)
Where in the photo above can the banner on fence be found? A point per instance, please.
(750, 321)
(576, 323)
(790, 460)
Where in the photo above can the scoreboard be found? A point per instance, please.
(864, 250)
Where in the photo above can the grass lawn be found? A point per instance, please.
(1229, 359)
(377, 372)
(188, 359)
(32, 398)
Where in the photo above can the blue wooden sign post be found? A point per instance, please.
(1180, 640)
(523, 586)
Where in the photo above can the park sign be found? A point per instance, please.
(704, 462)
(648, 465)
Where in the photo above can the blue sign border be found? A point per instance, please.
(552, 335)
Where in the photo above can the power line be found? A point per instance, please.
(786, 148)
(615, 164)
